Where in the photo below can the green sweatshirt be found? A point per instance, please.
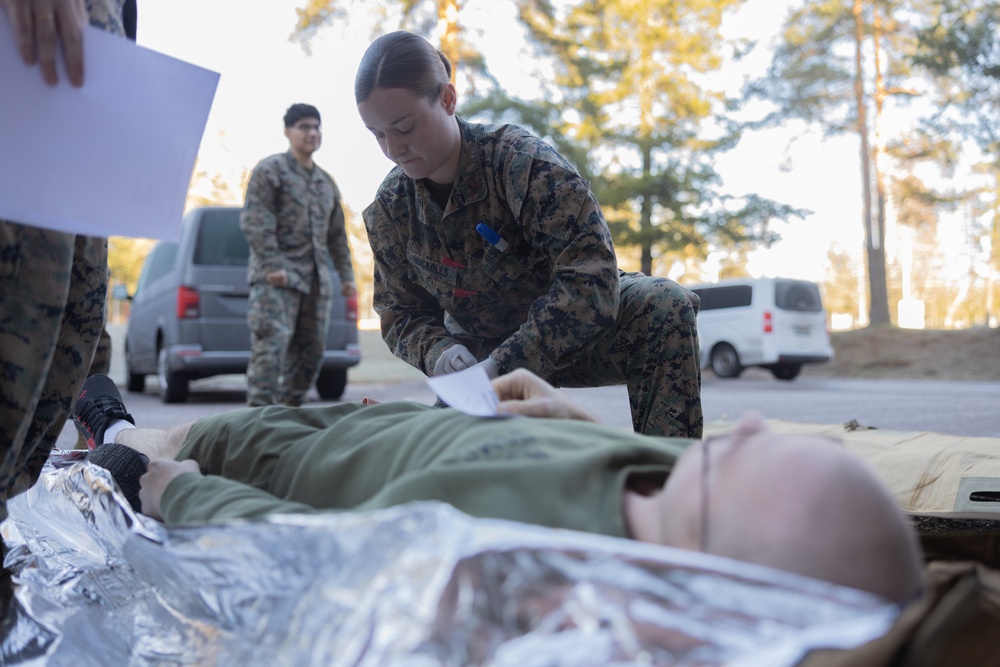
(551, 472)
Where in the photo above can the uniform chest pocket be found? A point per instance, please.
(434, 277)
(514, 265)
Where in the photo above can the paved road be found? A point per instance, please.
(957, 408)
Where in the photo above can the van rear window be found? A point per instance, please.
(220, 240)
(803, 297)
(729, 296)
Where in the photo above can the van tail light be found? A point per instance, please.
(768, 324)
(352, 307)
(188, 303)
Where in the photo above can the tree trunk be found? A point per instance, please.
(646, 215)
(878, 314)
(873, 244)
(992, 312)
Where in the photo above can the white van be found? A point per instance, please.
(776, 323)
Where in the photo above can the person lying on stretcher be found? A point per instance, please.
(800, 503)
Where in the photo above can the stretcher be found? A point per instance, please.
(423, 584)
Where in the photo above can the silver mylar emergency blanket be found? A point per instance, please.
(416, 585)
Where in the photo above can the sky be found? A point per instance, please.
(262, 73)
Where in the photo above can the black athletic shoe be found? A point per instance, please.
(97, 407)
(126, 467)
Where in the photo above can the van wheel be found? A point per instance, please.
(786, 371)
(725, 361)
(331, 384)
(173, 385)
(136, 382)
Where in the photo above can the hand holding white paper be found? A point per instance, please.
(113, 157)
(469, 391)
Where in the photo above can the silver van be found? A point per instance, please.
(188, 318)
(776, 323)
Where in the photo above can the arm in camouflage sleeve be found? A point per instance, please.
(412, 320)
(259, 221)
(336, 241)
(561, 218)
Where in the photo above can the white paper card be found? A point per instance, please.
(469, 391)
(111, 158)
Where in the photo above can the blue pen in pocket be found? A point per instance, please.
(491, 237)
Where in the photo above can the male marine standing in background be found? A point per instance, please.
(294, 224)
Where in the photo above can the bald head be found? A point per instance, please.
(799, 503)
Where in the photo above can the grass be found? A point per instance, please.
(932, 354)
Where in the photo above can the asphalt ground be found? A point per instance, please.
(951, 407)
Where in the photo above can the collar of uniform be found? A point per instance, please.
(470, 183)
(307, 174)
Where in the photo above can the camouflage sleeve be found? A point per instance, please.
(412, 320)
(106, 15)
(562, 219)
(259, 220)
(336, 241)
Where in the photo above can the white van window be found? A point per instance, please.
(801, 297)
(730, 296)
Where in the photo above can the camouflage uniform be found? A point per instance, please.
(293, 220)
(553, 301)
(52, 294)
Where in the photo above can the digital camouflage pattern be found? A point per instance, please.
(106, 15)
(52, 294)
(289, 333)
(553, 301)
(293, 220)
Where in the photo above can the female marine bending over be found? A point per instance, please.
(491, 249)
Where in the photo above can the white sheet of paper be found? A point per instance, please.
(111, 158)
(469, 391)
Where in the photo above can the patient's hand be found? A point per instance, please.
(158, 476)
(521, 392)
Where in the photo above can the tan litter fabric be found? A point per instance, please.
(955, 624)
(923, 469)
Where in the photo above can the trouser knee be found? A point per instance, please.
(658, 305)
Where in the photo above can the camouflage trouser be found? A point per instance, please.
(52, 296)
(653, 349)
(287, 336)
